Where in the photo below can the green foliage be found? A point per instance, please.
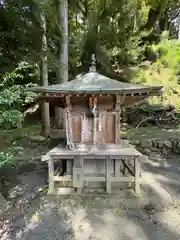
(14, 95)
(164, 71)
(170, 54)
(24, 73)
(118, 32)
(11, 119)
(7, 156)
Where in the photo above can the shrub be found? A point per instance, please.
(7, 156)
(164, 71)
(14, 97)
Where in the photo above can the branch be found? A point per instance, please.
(102, 11)
(144, 120)
(31, 110)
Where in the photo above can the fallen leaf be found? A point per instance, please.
(118, 212)
(35, 217)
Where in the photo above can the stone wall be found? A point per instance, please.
(157, 145)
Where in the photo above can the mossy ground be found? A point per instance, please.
(9, 137)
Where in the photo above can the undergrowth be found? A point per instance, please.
(165, 71)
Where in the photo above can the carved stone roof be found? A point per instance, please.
(93, 82)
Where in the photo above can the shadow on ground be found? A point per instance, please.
(152, 216)
(53, 218)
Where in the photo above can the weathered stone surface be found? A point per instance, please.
(135, 142)
(146, 144)
(160, 144)
(146, 151)
(37, 138)
(98, 198)
(155, 149)
(165, 151)
(168, 144)
(154, 143)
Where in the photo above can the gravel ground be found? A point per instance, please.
(36, 217)
(49, 219)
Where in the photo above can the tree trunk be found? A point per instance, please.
(45, 124)
(155, 15)
(62, 71)
(91, 39)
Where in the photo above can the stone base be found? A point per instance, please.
(157, 145)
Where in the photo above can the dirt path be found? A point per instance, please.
(35, 217)
(67, 219)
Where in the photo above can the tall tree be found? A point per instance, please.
(44, 77)
(62, 69)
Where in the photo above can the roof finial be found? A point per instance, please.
(93, 64)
